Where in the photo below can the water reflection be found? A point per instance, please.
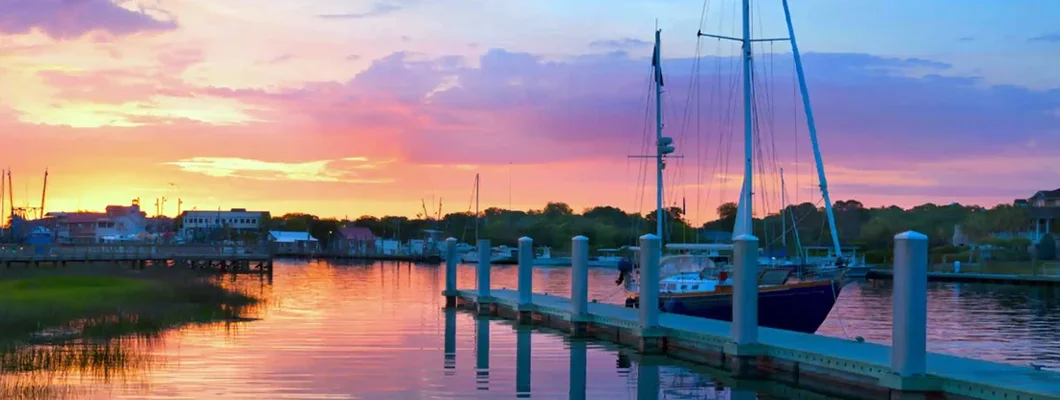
(577, 369)
(482, 353)
(522, 361)
(450, 341)
(377, 331)
(647, 381)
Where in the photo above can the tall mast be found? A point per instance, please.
(3, 191)
(476, 209)
(662, 143)
(43, 192)
(744, 212)
(812, 128)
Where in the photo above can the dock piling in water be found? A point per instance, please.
(650, 253)
(579, 281)
(745, 290)
(909, 329)
(484, 275)
(451, 260)
(829, 364)
(526, 277)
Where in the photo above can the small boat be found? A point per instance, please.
(498, 254)
(545, 259)
(693, 285)
(609, 258)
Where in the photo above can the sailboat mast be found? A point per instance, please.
(476, 209)
(748, 122)
(812, 128)
(659, 163)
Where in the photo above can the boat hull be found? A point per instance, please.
(799, 307)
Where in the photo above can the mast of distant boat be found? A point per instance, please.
(783, 214)
(476, 209)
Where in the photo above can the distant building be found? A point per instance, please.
(1044, 208)
(293, 243)
(93, 227)
(353, 240)
(202, 223)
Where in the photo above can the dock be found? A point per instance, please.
(821, 364)
(977, 277)
(229, 259)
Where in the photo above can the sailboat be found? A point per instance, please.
(692, 284)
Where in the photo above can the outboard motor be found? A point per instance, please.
(624, 268)
(840, 262)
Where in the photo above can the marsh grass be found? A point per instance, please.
(101, 302)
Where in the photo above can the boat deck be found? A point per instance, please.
(949, 374)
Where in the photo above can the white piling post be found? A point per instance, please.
(579, 290)
(650, 252)
(909, 330)
(451, 259)
(526, 271)
(484, 268)
(745, 290)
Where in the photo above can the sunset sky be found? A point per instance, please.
(347, 108)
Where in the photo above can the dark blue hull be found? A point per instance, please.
(798, 308)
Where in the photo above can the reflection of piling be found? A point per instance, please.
(482, 353)
(832, 365)
(450, 341)
(577, 369)
(647, 380)
(523, 339)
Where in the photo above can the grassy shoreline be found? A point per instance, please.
(103, 302)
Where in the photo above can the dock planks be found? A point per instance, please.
(222, 258)
(976, 277)
(952, 375)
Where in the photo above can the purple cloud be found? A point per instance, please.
(65, 19)
(872, 112)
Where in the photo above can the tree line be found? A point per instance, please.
(871, 229)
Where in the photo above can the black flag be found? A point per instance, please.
(655, 62)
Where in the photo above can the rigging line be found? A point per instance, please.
(795, 120)
(643, 169)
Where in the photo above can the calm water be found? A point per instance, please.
(379, 331)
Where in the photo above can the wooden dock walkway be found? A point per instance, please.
(977, 277)
(828, 365)
(794, 357)
(218, 257)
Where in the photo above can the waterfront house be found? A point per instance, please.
(91, 227)
(202, 224)
(1044, 207)
(353, 240)
(293, 243)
